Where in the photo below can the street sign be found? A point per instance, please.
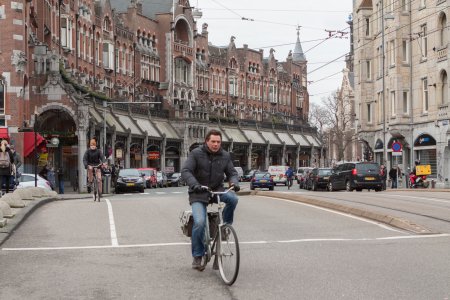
(396, 147)
(397, 153)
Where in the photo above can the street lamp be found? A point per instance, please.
(383, 17)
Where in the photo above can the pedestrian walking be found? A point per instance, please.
(6, 163)
(383, 174)
(61, 180)
(393, 176)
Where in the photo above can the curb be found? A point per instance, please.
(393, 221)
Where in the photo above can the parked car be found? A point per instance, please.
(262, 180)
(175, 180)
(356, 176)
(149, 177)
(27, 180)
(240, 172)
(129, 180)
(318, 178)
(278, 174)
(300, 175)
(248, 175)
(161, 179)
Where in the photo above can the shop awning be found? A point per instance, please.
(254, 136)
(301, 140)
(271, 137)
(129, 124)
(167, 129)
(4, 133)
(224, 137)
(146, 125)
(236, 135)
(112, 122)
(28, 142)
(95, 116)
(312, 140)
(284, 137)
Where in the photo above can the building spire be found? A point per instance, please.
(298, 55)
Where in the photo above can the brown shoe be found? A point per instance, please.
(197, 263)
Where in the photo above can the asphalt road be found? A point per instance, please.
(130, 246)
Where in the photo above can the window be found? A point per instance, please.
(425, 94)
(423, 41)
(368, 70)
(393, 104)
(405, 51)
(405, 102)
(106, 24)
(422, 3)
(443, 30)
(272, 92)
(390, 6)
(108, 56)
(444, 93)
(66, 32)
(405, 5)
(367, 26)
(391, 46)
(232, 87)
(369, 112)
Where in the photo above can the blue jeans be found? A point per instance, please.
(199, 215)
(61, 186)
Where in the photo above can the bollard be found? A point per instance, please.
(106, 185)
(433, 183)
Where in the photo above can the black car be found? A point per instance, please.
(175, 180)
(248, 175)
(356, 176)
(129, 180)
(318, 178)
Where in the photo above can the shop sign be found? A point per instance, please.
(119, 153)
(153, 155)
(43, 159)
(169, 169)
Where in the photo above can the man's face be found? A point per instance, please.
(214, 143)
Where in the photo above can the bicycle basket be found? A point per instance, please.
(187, 221)
(213, 218)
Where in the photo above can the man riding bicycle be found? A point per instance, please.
(289, 177)
(205, 166)
(93, 157)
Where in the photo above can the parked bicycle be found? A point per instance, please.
(220, 239)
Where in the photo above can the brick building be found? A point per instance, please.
(147, 83)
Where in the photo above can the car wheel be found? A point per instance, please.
(378, 190)
(271, 188)
(348, 186)
(252, 187)
(330, 187)
(360, 190)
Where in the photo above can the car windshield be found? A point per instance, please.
(129, 172)
(325, 172)
(367, 167)
(300, 171)
(262, 175)
(147, 172)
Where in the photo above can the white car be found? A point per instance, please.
(27, 180)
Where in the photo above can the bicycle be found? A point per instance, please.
(95, 190)
(220, 239)
(222, 243)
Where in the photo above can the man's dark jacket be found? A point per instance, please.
(204, 167)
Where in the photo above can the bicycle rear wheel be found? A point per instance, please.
(228, 254)
(94, 189)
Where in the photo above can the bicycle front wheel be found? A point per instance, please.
(228, 254)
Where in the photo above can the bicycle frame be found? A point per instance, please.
(95, 190)
(220, 246)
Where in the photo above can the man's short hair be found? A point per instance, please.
(213, 132)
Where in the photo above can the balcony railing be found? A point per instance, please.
(443, 112)
(441, 53)
(182, 48)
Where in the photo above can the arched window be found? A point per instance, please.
(444, 91)
(443, 30)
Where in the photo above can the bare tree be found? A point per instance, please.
(335, 116)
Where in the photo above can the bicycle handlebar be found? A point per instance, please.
(208, 189)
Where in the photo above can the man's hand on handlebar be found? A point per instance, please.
(199, 188)
(236, 187)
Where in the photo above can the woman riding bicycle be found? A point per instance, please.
(93, 157)
(205, 166)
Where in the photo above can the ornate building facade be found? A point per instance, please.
(146, 82)
(401, 82)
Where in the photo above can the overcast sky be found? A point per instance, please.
(274, 26)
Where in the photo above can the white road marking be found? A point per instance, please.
(242, 243)
(343, 214)
(160, 193)
(421, 198)
(112, 225)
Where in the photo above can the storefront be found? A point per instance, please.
(425, 152)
